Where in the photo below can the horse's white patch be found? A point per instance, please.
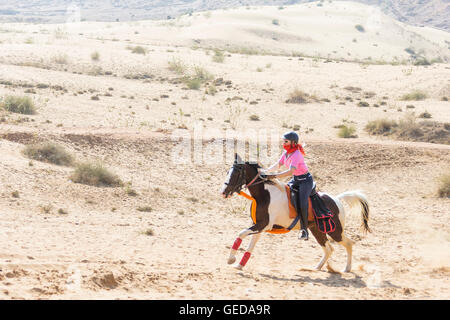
(278, 207)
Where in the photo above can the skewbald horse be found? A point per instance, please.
(272, 210)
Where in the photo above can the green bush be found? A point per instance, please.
(193, 83)
(202, 74)
(218, 56)
(415, 95)
(177, 66)
(139, 50)
(18, 104)
(49, 152)
(95, 174)
(347, 131)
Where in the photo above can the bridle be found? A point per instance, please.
(239, 184)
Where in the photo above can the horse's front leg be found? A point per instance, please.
(237, 243)
(248, 253)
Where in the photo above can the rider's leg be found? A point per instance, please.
(305, 189)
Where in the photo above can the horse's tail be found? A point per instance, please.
(354, 198)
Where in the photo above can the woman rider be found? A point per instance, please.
(293, 158)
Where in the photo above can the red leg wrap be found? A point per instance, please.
(237, 243)
(245, 258)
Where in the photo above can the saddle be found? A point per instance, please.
(317, 210)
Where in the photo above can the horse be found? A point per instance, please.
(272, 212)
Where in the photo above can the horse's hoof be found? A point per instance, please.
(346, 270)
(231, 260)
(238, 266)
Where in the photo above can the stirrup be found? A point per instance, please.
(303, 235)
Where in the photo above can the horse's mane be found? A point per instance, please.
(280, 185)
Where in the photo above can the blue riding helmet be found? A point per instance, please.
(291, 136)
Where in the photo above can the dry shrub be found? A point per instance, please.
(177, 66)
(347, 131)
(298, 96)
(408, 129)
(444, 186)
(95, 174)
(49, 152)
(218, 56)
(95, 56)
(415, 95)
(18, 104)
(381, 126)
(139, 50)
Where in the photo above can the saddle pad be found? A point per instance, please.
(293, 212)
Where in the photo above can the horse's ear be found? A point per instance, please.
(237, 159)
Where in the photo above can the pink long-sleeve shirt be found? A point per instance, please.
(296, 160)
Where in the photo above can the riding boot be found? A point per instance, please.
(303, 235)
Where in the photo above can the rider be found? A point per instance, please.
(293, 158)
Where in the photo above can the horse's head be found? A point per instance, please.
(238, 175)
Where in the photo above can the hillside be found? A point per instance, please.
(433, 13)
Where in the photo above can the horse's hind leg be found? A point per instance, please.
(237, 243)
(324, 243)
(327, 250)
(347, 244)
(249, 251)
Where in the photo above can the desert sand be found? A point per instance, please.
(124, 108)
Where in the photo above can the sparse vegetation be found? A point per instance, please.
(444, 186)
(381, 126)
(95, 56)
(148, 232)
(202, 74)
(18, 104)
(145, 209)
(425, 115)
(421, 62)
(61, 59)
(254, 117)
(363, 104)
(193, 83)
(218, 56)
(130, 191)
(46, 208)
(408, 128)
(49, 152)
(211, 90)
(347, 131)
(415, 95)
(138, 50)
(177, 66)
(95, 174)
(298, 96)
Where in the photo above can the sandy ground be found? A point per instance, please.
(103, 247)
